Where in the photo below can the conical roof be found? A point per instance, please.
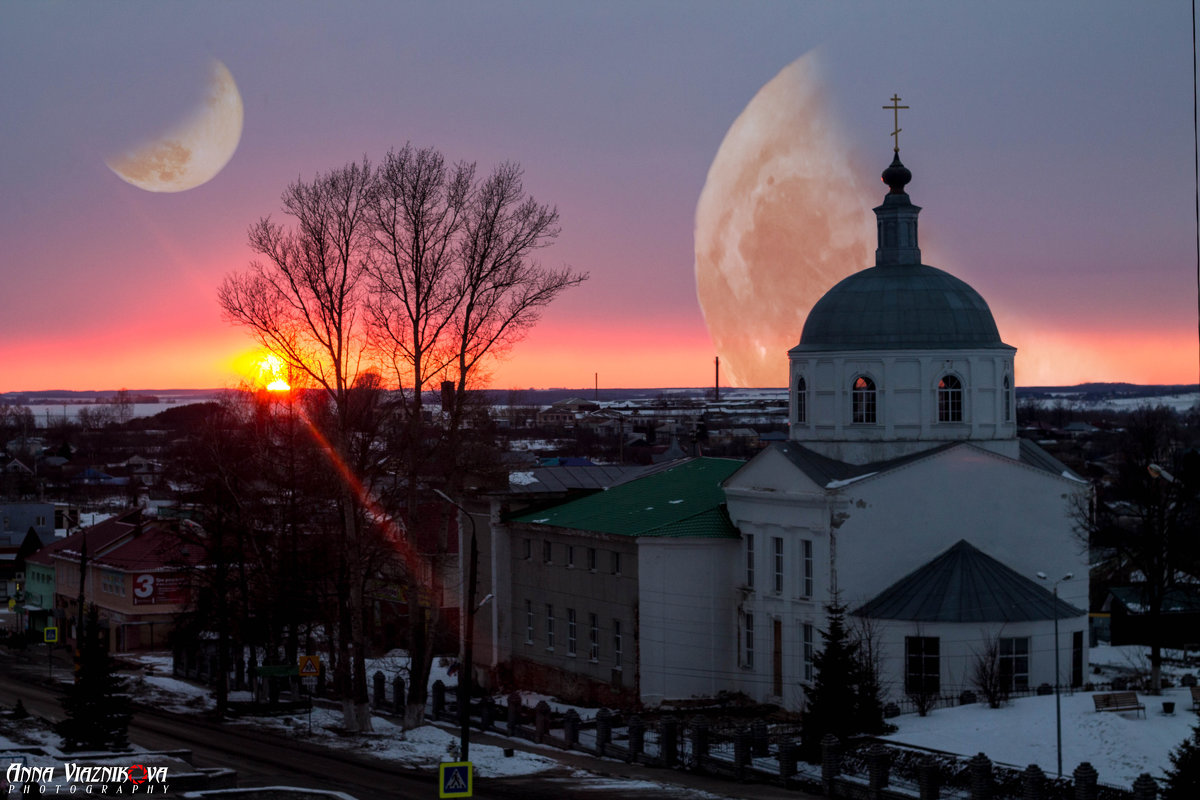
(964, 584)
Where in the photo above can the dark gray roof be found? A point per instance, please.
(964, 584)
(1034, 456)
(897, 307)
(822, 469)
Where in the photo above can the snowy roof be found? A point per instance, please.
(563, 478)
(964, 584)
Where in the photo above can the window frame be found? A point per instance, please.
(748, 640)
(950, 399)
(549, 626)
(617, 643)
(547, 551)
(529, 621)
(1013, 653)
(922, 665)
(749, 560)
(801, 400)
(808, 650)
(864, 403)
(777, 558)
(593, 638)
(807, 568)
(571, 631)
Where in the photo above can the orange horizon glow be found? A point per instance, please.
(568, 355)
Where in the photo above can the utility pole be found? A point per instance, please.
(466, 675)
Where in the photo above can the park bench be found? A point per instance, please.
(1118, 701)
(1195, 698)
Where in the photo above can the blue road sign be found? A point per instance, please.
(456, 779)
(50, 635)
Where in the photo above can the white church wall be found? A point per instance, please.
(687, 639)
(900, 520)
(961, 643)
(906, 402)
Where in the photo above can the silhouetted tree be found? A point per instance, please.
(1183, 778)
(844, 698)
(96, 706)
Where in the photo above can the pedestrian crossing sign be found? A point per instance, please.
(310, 666)
(456, 779)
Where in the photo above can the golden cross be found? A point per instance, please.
(895, 108)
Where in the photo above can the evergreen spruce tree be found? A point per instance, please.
(96, 706)
(833, 697)
(1183, 778)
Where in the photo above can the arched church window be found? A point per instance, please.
(949, 397)
(801, 400)
(862, 401)
(1007, 400)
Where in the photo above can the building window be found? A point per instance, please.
(593, 637)
(570, 631)
(528, 549)
(862, 403)
(1014, 663)
(570, 556)
(750, 560)
(616, 563)
(801, 401)
(748, 641)
(806, 568)
(950, 399)
(549, 627)
(547, 552)
(922, 673)
(777, 545)
(1007, 400)
(528, 622)
(806, 636)
(617, 643)
(591, 556)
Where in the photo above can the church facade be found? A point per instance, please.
(903, 494)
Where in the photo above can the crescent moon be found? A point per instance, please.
(193, 152)
(782, 217)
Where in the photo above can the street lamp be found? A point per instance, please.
(1057, 698)
(466, 676)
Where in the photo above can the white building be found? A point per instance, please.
(903, 445)
(903, 491)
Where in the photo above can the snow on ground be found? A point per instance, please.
(1022, 732)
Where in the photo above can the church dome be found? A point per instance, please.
(901, 306)
(900, 303)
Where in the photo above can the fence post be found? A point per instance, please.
(571, 727)
(541, 721)
(928, 781)
(877, 769)
(1085, 782)
(514, 713)
(1033, 783)
(380, 684)
(668, 741)
(1144, 788)
(637, 737)
(981, 777)
(487, 714)
(603, 729)
(831, 763)
(439, 699)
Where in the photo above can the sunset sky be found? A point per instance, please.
(1051, 146)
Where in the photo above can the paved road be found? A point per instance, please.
(263, 759)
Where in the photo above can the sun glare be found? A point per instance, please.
(271, 372)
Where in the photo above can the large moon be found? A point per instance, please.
(193, 152)
(782, 217)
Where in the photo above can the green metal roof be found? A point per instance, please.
(685, 500)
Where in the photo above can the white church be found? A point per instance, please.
(903, 489)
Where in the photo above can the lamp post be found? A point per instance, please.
(466, 677)
(1057, 698)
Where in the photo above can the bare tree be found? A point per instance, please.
(303, 303)
(1142, 528)
(987, 674)
(452, 284)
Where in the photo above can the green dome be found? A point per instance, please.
(900, 307)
